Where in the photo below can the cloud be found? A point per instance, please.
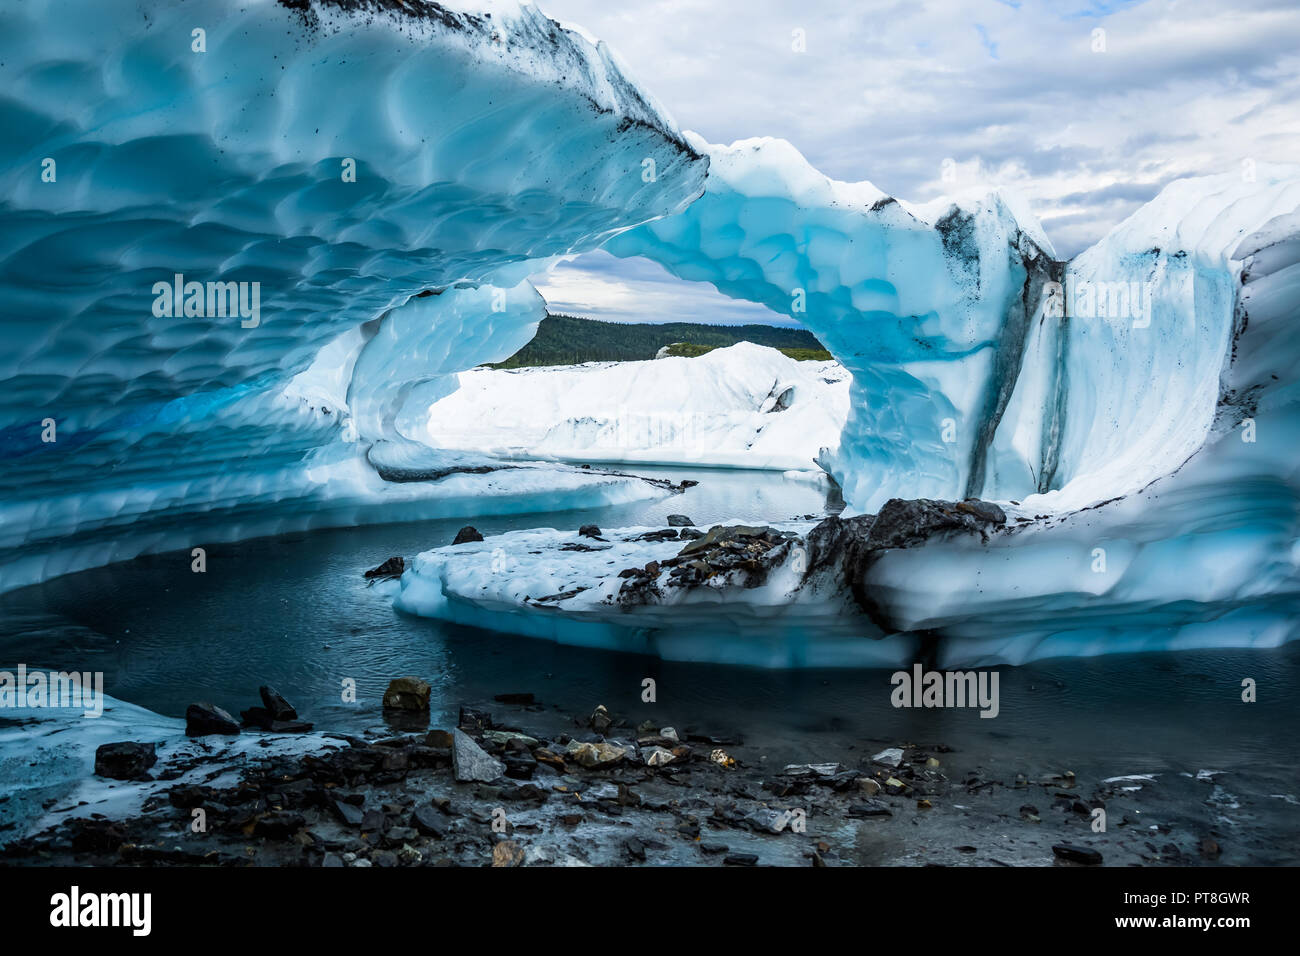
(1026, 94)
(600, 286)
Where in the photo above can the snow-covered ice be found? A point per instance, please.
(743, 406)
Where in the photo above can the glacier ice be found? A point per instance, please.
(529, 583)
(742, 406)
(390, 175)
(926, 306)
(345, 160)
(1150, 446)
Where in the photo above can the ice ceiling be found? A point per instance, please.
(389, 175)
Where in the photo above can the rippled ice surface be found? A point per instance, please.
(294, 611)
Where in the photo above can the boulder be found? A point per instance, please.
(904, 523)
(471, 763)
(124, 760)
(680, 521)
(392, 568)
(274, 702)
(590, 531)
(466, 535)
(408, 693)
(279, 825)
(205, 718)
(439, 738)
(593, 756)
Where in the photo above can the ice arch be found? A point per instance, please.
(486, 139)
(927, 306)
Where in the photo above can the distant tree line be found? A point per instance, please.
(570, 340)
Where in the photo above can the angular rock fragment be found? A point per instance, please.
(392, 568)
(471, 763)
(205, 718)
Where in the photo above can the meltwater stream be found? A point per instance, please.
(294, 611)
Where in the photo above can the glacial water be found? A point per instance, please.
(294, 611)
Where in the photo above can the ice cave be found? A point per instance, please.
(264, 268)
(391, 176)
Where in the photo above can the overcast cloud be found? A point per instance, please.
(1013, 93)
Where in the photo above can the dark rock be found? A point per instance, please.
(256, 717)
(274, 702)
(520, 768)
(124, 760)
(97, 836)
(467, 534)
(1076, 854)
(408, 693)
(590, 531)
(600, 721)
(430, 822)
(871, 808)
(844, 549)
(332, 860)
(680, 521)
(279, 825)
(635, 849)
(439, 738)
(741, 859)
(690, 534)
(713, 848)
(396, 836)
(526, 791)
(204, 718)
(374, 821)
(348, 813)
(904, 523)
(666, 534)
(392, 568)
(471, 719)
(188, 796)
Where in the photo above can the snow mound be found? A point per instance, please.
(741, 406)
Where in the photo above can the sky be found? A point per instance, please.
(1087, 125)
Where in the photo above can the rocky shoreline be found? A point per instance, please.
(517, 784)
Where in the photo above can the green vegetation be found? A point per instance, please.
(569, 340)
(694, 350)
